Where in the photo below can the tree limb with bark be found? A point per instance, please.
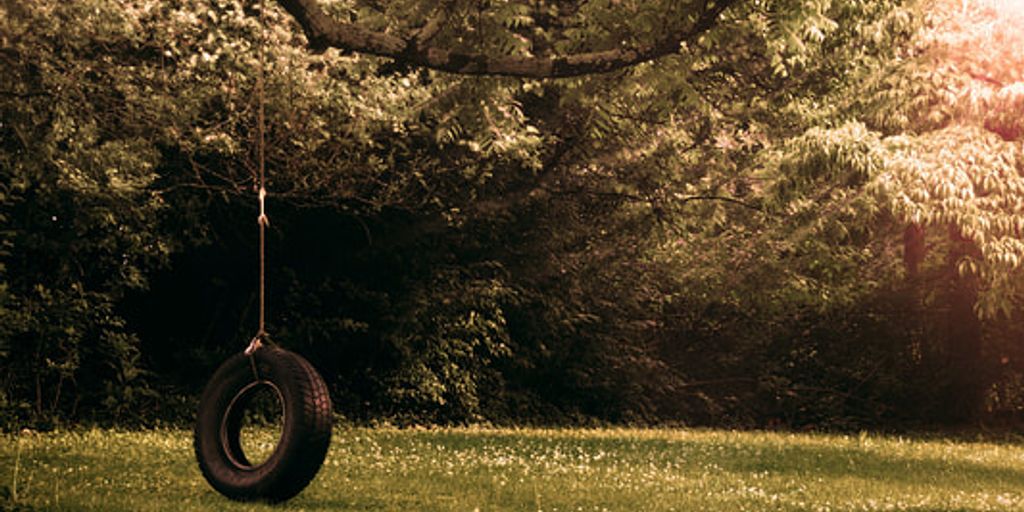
(323, 32)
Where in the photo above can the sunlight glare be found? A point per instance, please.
(1010, 7)
(1006, 8)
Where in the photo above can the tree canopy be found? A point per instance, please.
(745, 211)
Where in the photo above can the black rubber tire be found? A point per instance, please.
(305, 436)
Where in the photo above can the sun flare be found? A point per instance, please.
(1011, 8)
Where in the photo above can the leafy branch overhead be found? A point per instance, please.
(419, 49)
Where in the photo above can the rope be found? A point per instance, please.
(263, 221)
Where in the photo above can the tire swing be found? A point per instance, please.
(262, 377)
(305, 436)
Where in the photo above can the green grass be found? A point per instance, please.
(565, 470)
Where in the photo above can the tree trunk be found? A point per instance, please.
(966, 383)
(913, 249)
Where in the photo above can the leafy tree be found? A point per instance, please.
(81, 217)
(479, 209)
(931, 138)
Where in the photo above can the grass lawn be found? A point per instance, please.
(565, 470)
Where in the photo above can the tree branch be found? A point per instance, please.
(324, 32)
(725, 199)
(24, 95)
(433, 26)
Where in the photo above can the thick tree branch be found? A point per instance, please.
(324, 32)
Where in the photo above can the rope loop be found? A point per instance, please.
(255, 344)
(263, 220)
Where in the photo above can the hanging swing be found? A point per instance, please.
(263, 372)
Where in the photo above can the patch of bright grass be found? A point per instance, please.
(550, 470)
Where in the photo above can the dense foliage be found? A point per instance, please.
(711, 236)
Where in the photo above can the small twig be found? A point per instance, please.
(729, 380)
(25, 95)
(985, 78)
(726, 199)
(433, 26)
(17, 466)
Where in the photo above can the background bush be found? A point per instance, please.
(719, 238)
